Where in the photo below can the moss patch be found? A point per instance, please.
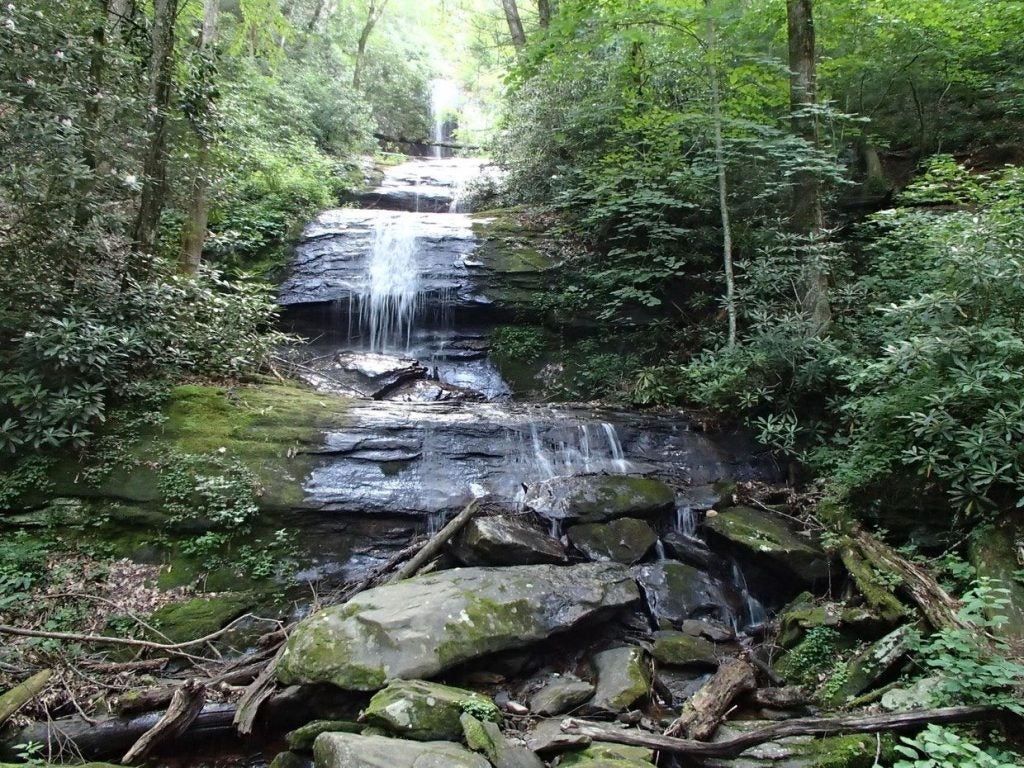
(197, 618)
(423, 711)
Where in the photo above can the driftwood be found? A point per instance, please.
(23, 693)
(257, 692)
(809, 726)
(941, 610)
(703, 712)
(185, 707)
(437, 543)
(159, 697)
(787, 697)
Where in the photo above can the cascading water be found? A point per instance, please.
(686, 520)
(388, 300)
(753, 612)
(444, 97)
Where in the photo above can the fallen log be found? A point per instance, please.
(435, 544)
(425, 142)
(703, 712)
(186, 704)
(23, 693)
(787, 697)
(809, 726)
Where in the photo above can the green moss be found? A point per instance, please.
(854, 751)
(601, 755)
(199, 617)
(606, 498)
(483, 621)
(876, 593)
(301, 739)
(994, 553)
(424, 711)
(680, 649)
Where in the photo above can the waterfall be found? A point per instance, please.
(686, 520)
(753, 612)
(444, 97)
(388, 297)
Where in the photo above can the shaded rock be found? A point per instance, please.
(680, 683)
(560, 695)
(430, 391)
(371, 374)
(347, 750)
(875, 663)
(766, 538)
(416, 709)
(996, 552)
(676, 592)
(921, 694)
(291, 760)
(485, 737)
(422, 626)
(506, 541)
(691, 551)
(625, 540)
(852, 751)
(599, 498)
(681, 649)
(623, 678)
(301, 739)
(715, 631)
(547, 738)
(795, 623)
(878, 595)
(603, 755)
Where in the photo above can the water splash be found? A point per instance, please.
(659, 550)
(753, 612)
(389, 297)
(686, 520)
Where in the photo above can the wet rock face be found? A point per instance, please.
(373, 375)
(599, 498)
(348, 750)
(506, 541)
(626, 540)
(423, 626)
(676, 592)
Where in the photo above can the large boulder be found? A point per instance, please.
(599, 498)
(423, 711)
(560, 695)
(348, 750)
(623, 678)
(626, 540)
(996, 552)
(764, 538)
(600, 755)
(680, 649)
(506, 541)
(425, 625)
(676, 592)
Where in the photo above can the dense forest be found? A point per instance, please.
(705, 265)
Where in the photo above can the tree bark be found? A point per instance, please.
(703, 712)
(544, 13)
(196, 221)
(186, 705)
(723, 187)
(515, 23)
(435, 544)
(373, 14)
(154, 169)
(807, 218)
(809, 726)
(23, 693)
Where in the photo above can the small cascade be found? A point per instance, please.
(754, 613)
(556, 528)
(659, 550)
(435, 522)
(594, 447)
(615, 446)
(444, 97)
(388, 300)
(686, 520)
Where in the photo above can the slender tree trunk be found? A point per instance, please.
(154, 169)
(515, 23)
(807, 217)
(373, 14)
(723, 188)
(194, 235)
(544, 13)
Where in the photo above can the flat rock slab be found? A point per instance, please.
(371, 374)
(560, 695)
(348, 750)
(623, 678)
(506, 541)
(626, 540)
(420, 627)
(599, 498)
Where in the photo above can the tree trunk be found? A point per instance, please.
(723, 188)
(373, 14)
(194, 235)
(544, 13)
(807, 218)
(515, 23)
(154, 169)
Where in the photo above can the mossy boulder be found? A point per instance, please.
(506, 541)
(192, 619)
(600, 755)
(625, 540)
(679, 649)
(997, 552)
(485, 737)
(623, 678)
(600, 498)
(875, 664)
(877, 594)
(423, 711)
(765, 538)
(422, 626)
(852, 751)
(291, 760)
(676, 592)
(349, 750)
(301, 739)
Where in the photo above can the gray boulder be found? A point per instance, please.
(626, 540)
(623, 678)
(485, 737)
(422, 626)
(371, 374)
(348, 750)
(676, 592)
(599, 498)
(560, 695)
(506, 541)
(416, 709)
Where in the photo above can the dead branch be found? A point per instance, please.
(23, 693)
(185, 707)
(703, 711)
(809, 726)
(434, 546)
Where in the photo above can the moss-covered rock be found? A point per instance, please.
(301, 739)
(874, 664)
(423, 711)
(181, 622)
(623, 678)
(626, 540)
(348, 750)
(485, 737)
(291, 760)
(560, 695)
(599, 498)
(766, 538)
(679, 649)
(601, 755)
(875, 591)
(852, 751)
(997, 552)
